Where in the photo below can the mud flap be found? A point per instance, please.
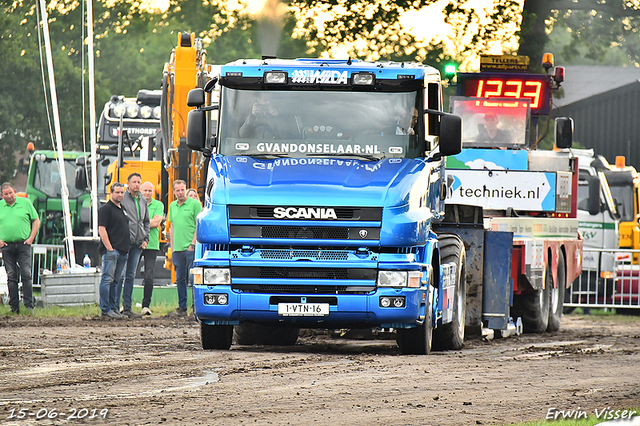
(497, 292)
(448, 291)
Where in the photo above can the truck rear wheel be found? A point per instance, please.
(556, 296)
(216, 336)
(251, 333)
(533, 307)
(451, 335)
(417, 340)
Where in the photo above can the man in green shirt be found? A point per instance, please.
(19, 223)
(182, 218)
(156, 216)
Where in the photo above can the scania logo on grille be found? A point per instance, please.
(363, 233)
(304, 213)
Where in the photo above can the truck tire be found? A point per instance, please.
(417, 340)
(451, 335)
(216, 336)
(251, 333)
(556, 296)
(533, 308)
(567, 298)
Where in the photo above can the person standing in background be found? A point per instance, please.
(19, 224)
(137, 211)
(113, 227)
(156, 215)
(182, 231)
(192, 193)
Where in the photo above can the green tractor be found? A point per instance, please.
(45, 192)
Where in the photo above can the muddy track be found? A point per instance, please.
(153, 371)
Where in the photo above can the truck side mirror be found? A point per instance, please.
(450, 134)
(196, 128)
(81, 178)
(594, 195)
(195, 98)
(564, 132)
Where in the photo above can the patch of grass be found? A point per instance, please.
(93, 310)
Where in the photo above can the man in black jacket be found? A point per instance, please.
(113, 227)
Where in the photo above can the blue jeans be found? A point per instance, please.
(113, 263)
(17, 263)
(128, 277)
(183, 261)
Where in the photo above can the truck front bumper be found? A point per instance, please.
(406, 307)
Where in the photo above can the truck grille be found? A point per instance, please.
(303, 273)
(304, 254)
(305, 232)
(303, 289)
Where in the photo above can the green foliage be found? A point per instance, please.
(132, 46)
(584, 38)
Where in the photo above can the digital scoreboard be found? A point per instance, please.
(535, 87)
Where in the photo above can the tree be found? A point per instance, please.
(131, 47)
(596, 27)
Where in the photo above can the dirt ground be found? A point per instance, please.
(153, 371)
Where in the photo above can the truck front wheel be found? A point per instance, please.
(216, 336)
(451, 335)
(417, 340)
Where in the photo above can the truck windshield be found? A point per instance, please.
(46, 178)
(493, 123)
(623, 197)
(363, 125)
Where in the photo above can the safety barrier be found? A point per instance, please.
(44, 257)
(609, 279)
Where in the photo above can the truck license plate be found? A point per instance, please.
(303, 309)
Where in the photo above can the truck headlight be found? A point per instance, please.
(145, 111)
(363, 78)
(215, 276)
(275, 77)
(215, 299)
(132, 110)
(392, 279)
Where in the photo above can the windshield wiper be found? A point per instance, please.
(365, 156)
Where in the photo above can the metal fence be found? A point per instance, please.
(609, 279)
(44, 257)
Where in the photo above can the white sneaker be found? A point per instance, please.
(146, 311)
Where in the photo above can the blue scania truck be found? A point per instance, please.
(326, 184)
